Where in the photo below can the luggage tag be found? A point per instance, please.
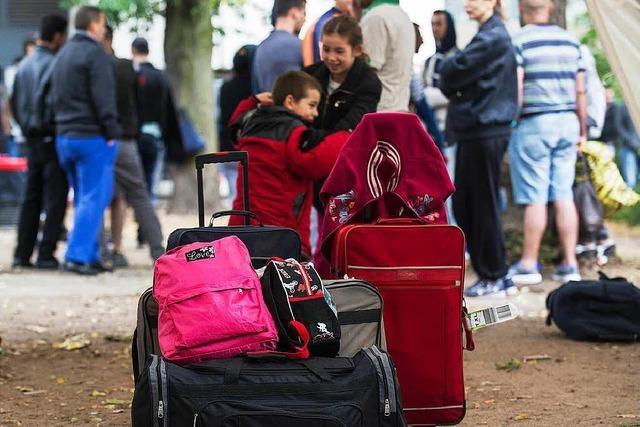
(493, 315)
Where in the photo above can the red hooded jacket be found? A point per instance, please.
(389, 168)
(280, 174)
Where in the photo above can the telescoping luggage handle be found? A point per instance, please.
(223, 157)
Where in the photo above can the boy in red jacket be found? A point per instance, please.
(282, 162)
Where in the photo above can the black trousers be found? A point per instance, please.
(476, 204)
(47, 189)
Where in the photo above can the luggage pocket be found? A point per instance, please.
(217, 313)
(239, 414)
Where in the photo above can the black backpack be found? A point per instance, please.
(607, 309)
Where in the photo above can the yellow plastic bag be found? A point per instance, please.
(612, 191)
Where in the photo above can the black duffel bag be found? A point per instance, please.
(318, 392)
(597, 310)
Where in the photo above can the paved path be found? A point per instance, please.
(50, 305)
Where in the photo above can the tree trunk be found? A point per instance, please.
(559, 16)
(187, 48)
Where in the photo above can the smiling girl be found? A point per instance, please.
(350, 87)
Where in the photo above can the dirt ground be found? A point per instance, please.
(581, 383)
(574, 383)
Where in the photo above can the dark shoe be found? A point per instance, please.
(118, 260)
(47, 264)
(80, 268)
(101, 267)
(21, 263)
(484, 287)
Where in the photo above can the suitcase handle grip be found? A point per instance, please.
(222, 157)
(235, 212)
(400, 221)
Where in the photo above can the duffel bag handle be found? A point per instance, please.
(235, 212)
(401, 221)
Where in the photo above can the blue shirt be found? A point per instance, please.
(277, 54)
(551, 59)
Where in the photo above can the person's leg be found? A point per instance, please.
(567, 223)
(563, 168)
(461, 207)
(530, 160)
(93, 164)
(29, 221)
(487, 246)
(118, 210)
(535, 223)
(56, 190)
(147, 150)
(129, 174)
(628, 166)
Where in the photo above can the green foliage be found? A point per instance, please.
(591, 40)
(141, 12)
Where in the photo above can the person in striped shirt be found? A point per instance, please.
(542, 150)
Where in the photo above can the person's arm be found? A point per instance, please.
(14, 101)
(366, 98)
(244, 106)
(520, 75)
(102, 89)
(374, 34)
(581, 104)
(470, 64)
(317, 162)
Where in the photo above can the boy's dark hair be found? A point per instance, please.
(294, 83)
(282, 7)
(50, 25)
(86, 15)
(344, 26)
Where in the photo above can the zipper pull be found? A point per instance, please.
(161, 409)
(195, 420)
(387, 408)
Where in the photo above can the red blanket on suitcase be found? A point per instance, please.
(391, 167)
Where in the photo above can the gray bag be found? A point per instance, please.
(359, 308)
(359, 313)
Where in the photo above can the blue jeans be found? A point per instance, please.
(88, 162)
(629, 160)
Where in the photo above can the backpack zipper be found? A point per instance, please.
(163, 405)
(153, 382)
(389, 376)
(383, 387)
(305, 278)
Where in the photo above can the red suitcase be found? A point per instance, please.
(419, 270)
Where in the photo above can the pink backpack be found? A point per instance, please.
(210, 303)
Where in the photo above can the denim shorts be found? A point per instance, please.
(542, 155)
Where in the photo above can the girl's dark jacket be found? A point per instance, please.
(357, 95)
(481, 84)
(343, 109)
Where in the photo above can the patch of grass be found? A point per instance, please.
(630, 215)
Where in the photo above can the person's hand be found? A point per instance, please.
(264, 98)
(111, 142)
(580, 143)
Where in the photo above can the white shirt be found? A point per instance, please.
(333, 85)
(389, 40)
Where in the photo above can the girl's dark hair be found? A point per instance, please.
(344, 26)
